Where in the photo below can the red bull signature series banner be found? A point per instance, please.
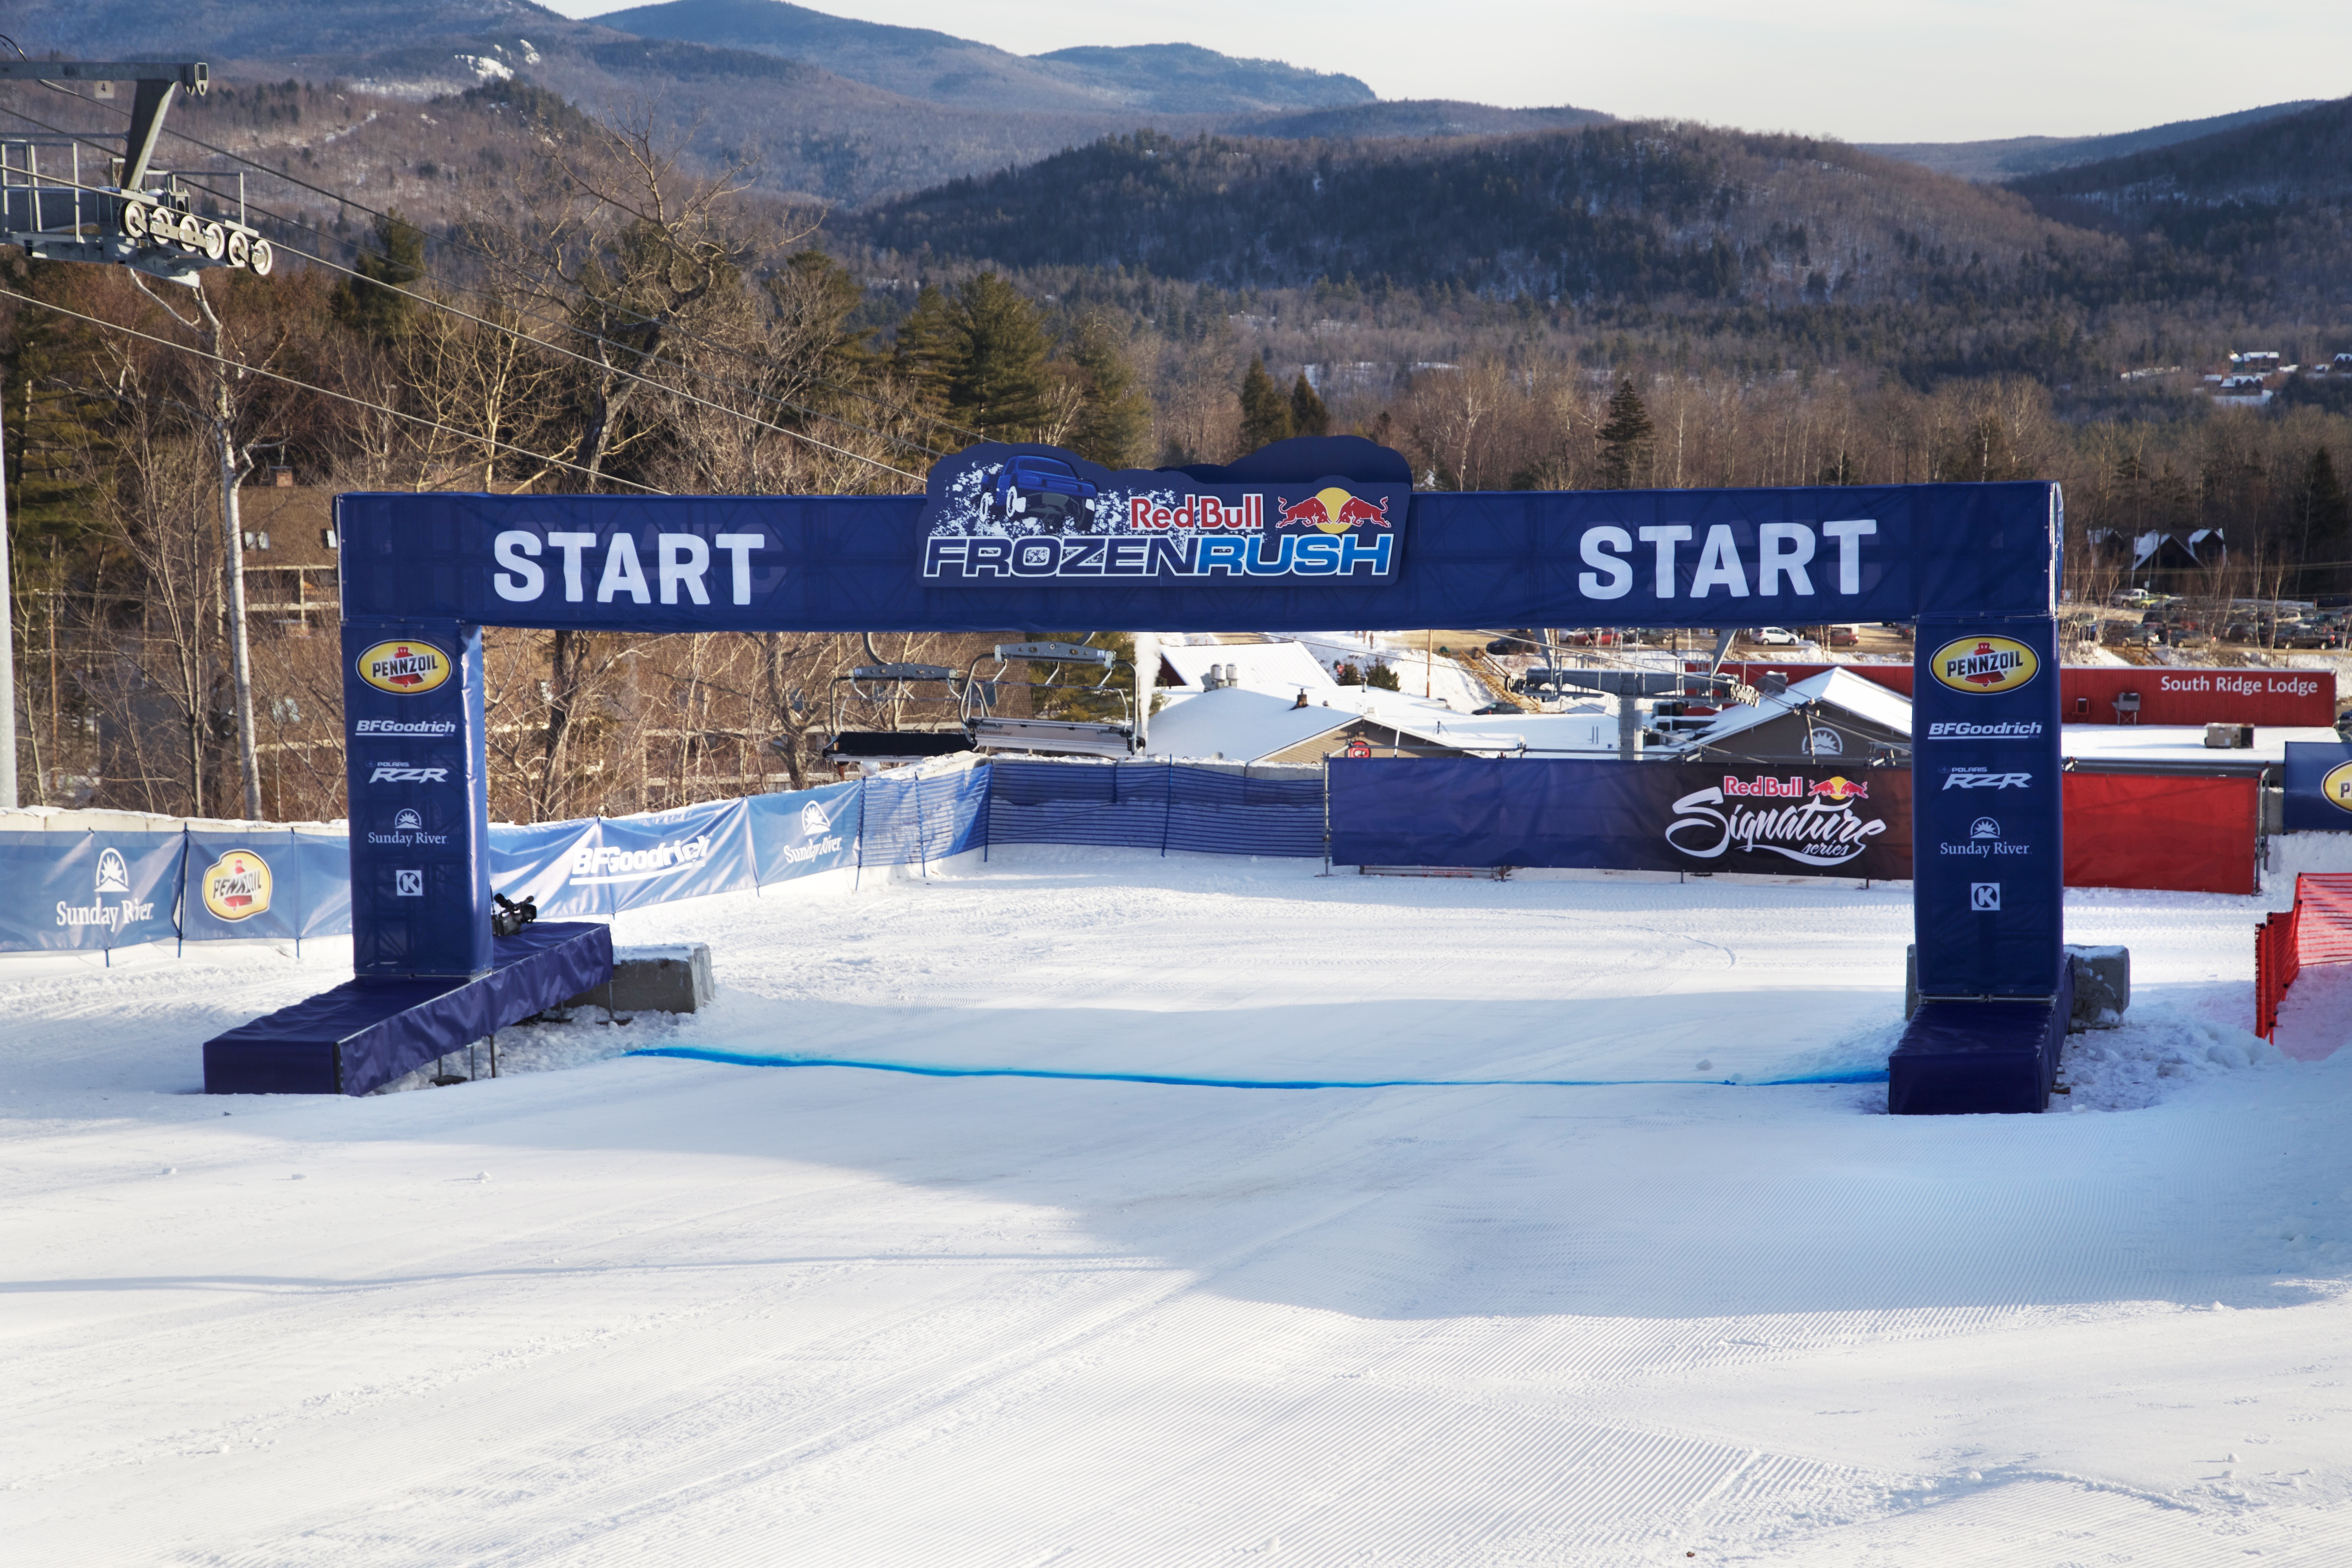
(1608, 816)
(1010, 516)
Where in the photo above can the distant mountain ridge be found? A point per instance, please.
(938, 67)
(2018, 156)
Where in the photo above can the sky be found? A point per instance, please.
(1865, 71)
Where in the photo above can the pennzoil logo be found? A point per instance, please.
(237, 886)
(2336, 787)
(1985, 665)
(404, 668)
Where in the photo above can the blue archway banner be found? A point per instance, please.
(1650, 558)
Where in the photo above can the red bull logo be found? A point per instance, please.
(1839, 788)
(1246, 515)
(1332, 510)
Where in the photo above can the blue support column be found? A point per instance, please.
(1989, 862)
(419, 799)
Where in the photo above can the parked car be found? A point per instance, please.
(1496, 708)
(1774, 637)
(1845, 636)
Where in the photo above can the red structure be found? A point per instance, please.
(2181, 835)
(2090, 694)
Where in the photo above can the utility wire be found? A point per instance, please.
(477, 250)
(326, 391)
(569, 326)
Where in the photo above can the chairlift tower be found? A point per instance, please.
(59, 204)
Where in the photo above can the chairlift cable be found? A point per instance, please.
(326, 391)
(568, 326)
(341, 200)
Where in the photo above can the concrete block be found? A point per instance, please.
(2102, 984)
(674, 979)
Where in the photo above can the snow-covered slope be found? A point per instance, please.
(664, 1311)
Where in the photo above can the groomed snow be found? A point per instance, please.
(648, 1311)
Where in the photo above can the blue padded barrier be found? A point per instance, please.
(362, 1034)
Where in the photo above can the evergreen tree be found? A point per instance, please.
(1266, 414)
(1308, 414)
(1114, 417)
(929, 347)
(2326, 521)
(398, 259)
(1380, 677)
(998, 386)
(1625, 441)
(978, 357)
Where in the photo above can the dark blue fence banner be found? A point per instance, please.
(1612, 816)
(88, 890)
(1987, 899)
(804, 832)
(1155, 806)
(2318, 786)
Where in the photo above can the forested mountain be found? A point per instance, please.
(1606, 212)
(2015, 156)
(1416, 117)
(938, 67)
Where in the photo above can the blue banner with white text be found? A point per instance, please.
(2318, 786)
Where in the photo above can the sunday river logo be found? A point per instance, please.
(113, 876)
(1815, 824)
(1983, 665)
(404, 667)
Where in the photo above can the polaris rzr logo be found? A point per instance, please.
(401, 772)
(1959, 780)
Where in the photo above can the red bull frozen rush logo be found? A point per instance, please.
(1028, 515)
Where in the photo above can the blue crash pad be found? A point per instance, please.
(1961, 1058)
(364, 1033)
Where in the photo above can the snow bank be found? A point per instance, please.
(2157, 1050)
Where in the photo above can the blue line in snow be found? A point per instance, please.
(920, 1069)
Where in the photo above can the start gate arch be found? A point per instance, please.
(1305, 535)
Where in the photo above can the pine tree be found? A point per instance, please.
(1308, 414)
(998, 386)
(1625, 441)
(2326, 521)
(1114, 417)
(1266, 416)
(398, 259)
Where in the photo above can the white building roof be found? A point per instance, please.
(1283, 667)
(1838, 688)
(2183, 744)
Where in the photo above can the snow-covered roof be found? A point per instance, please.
(1243, 725)
(2183, 744)
(1840, 687)
(1237, 723)
(1282, 667)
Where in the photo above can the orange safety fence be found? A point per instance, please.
(2318, 929)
